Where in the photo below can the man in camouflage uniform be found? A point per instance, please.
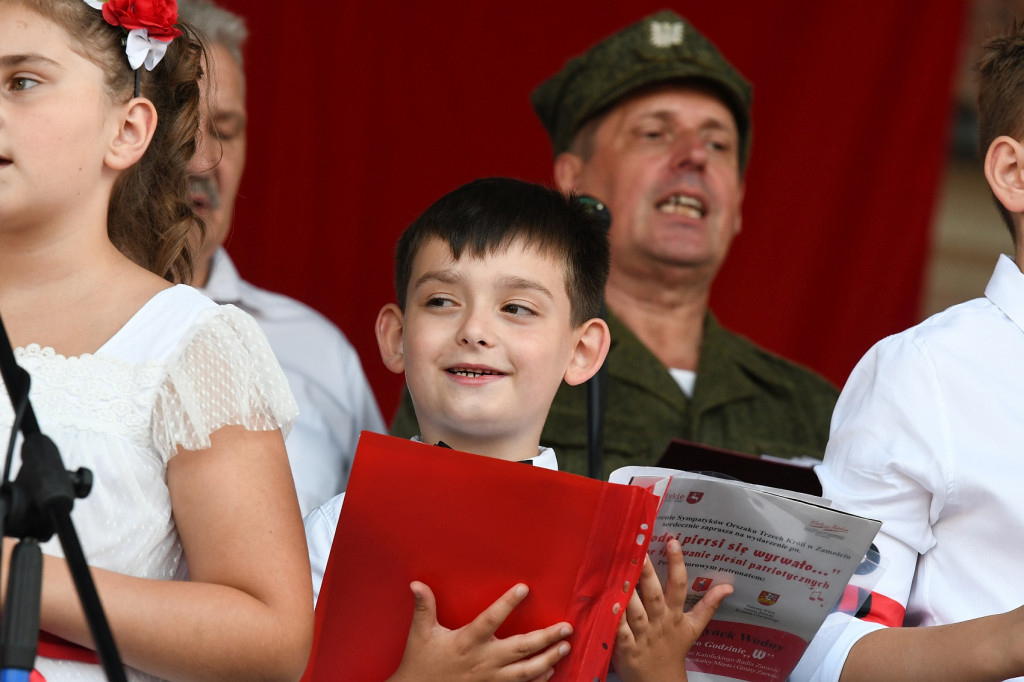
(655, 123)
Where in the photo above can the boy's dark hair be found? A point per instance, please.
(492, 214)
(1000, 84)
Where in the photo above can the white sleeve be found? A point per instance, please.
(320, 524)
(336, 404)
(824, 659)
(886, 459)
(223, 374)
(889, 455)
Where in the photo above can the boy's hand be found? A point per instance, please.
(655, 634)
(472, 652)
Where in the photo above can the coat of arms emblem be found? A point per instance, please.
(702, 584)
(666, 33)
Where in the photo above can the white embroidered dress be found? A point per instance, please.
(180, 369)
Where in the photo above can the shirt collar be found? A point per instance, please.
(1006, 289)
(545, 458)
(223, 284)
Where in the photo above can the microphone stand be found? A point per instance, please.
(33, 506)
(597, 398)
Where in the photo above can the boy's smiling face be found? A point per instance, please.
(485, 344)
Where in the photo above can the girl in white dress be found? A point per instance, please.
(176, 404)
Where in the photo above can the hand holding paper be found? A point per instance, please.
(655, 633)
(472, 653)
(788, 557)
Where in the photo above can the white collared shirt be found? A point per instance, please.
(927, 437)
(324, 373)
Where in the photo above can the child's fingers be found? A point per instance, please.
(545, 677)
(636, 616)
(541, 665)
(700, 615)
(625, 636)
(486, 624)
(527, 644)
(651, 594)
(675, 580)
(424, 614)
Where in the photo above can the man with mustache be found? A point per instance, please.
(655, 123)
(323, 369)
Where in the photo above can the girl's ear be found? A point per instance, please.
(390, 328)
(133, 135)
(592, 342)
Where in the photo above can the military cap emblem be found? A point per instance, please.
(666, 33)
(658, 48)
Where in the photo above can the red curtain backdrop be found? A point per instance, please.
(362, 114)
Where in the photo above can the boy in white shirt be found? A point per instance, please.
(926, 437)
(500, 285)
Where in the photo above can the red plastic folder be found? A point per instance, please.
(471, 527)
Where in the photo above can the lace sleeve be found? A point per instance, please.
(223, 374)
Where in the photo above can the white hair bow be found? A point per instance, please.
(142, 50)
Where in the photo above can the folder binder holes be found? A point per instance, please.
(641, 537)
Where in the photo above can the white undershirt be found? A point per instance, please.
(685, 378)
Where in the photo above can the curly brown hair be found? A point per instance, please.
(151, 218)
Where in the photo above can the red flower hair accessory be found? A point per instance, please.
(150, 25)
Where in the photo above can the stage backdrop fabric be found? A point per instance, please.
(362, 114)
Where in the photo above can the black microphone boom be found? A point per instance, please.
(597, 398)
(32, 507)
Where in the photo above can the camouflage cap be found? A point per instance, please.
(661, 47)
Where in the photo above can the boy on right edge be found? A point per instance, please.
(499, 287)
(926, 437)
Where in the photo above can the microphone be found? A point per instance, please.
(597, 394)
(598, 209)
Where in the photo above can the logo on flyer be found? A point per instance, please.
(694, 497)
(828, 527)
(767, 598)
(702, 584)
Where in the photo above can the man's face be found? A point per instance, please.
(216, 169)
(667, 165)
